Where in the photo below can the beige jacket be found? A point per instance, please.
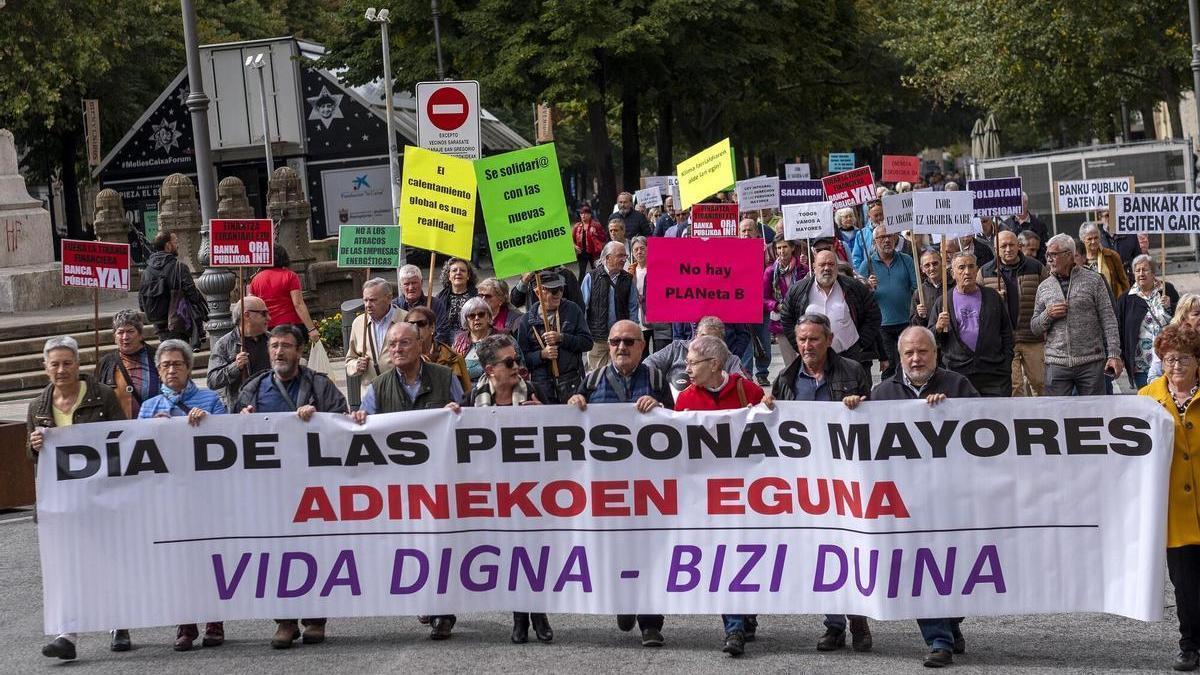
(362, 343)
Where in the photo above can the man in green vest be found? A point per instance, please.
(412, 384)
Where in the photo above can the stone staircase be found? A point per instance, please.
(21, 373)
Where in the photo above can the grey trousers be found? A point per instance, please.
(1084, 380)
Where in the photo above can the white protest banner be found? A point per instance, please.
(758, 193)
(800, 171)
(897, 212)
(973, 507)
(673, 191)
(1155, 213)
(648, 197)
(1077, 196)
(659, 182)
(808, 220)
(945, 213)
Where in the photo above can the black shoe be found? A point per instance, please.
(735, 643)
(520, 631)
(1188, 659)
(651, 637)
(61, 648)
(762, 380)
(541, 627)
(833, 640)
(960, 642)
(120, 641)
(939, 658)
(440, 627)
(423, 619)
(750, 627)
(286, 633)
(860, 634)
(626, 622)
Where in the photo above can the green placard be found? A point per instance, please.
(525, 210)
(151, 220)
(368, 246)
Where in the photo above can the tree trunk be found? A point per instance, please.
(67, 156)
(664, 138)
(1170, 87)
(1148, 130)
(631, 151)
(601, 146)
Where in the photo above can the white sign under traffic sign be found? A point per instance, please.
(448, 118)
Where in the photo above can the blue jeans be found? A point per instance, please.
(734, 623)
(1140, 379)
(837, 621)
(939, 633)
(763, 332)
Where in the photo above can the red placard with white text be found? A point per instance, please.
(898, 168)
(850, 188)
(714, 220)
(241, 242)
(95, 264)
(689, 278)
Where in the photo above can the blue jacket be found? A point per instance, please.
(192, 397)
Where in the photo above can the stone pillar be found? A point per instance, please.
(216, 283)
(289, 208)
(109, 220)
(232, 201)
(179, 212)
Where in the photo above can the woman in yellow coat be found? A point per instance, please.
(1179, 347)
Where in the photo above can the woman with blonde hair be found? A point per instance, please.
(1187, 312)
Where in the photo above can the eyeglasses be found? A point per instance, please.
(405, 342)
(617, 341)
(510, 362)
(692, 364)
(1055, 254)
(486, 296)
(1178, 361)
(260, 312)
(477, 315)
(419, 323)
(172, 365)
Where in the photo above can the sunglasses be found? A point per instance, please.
(510, 362)
(628, 342)
(477, 315)
(419, 323)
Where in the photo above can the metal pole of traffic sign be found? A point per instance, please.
(381, 17)
(1194, 17)
(437, 38)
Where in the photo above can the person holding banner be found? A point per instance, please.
(1175, 390)
(242, 352)
(70, 398)
(129, 370)
(1105, 261)
(290, 387)
(920, 377)
(713, 388)
(366, 356)
(850, 305)
(672, 359)
(279, 287)
(975, 336)
(1017, 281)
(609, 295)
(589, 237)
(1142, 313)
(180, 397)
(458, 286)
(1074, 310)
(412, 294)
(788, 269)
(554, 338)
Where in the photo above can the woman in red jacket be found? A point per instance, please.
(590, 237)
(714, 389)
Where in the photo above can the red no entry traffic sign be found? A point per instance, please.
(448, 108)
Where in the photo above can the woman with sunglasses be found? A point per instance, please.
(432, 351)
(502, 385)
(477, 324)
(494, 292)
(1179, 347)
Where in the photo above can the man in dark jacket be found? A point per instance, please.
(553, 347)
(290, 387)
(636, 224)
(609, 295)
(412, 294)
(849, 304)
(1017, 284)
(412, 384)
(919, 377)
(165, 274)
(523, 293)
(931, 287)
(242, 352)
(1025, 220)
(975, 336)
(818, 374)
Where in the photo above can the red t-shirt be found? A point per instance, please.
(695, 398)
(275, 285)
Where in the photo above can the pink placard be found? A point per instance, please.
(690, 278)
(901, 167)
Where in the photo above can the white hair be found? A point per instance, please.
(609, 248)
(1144, 258)
(379, 282)
(408, 272)
(920, 330)
(60, 342)
(174, 346)
(710, 347)
(837, 217)
(1088, 228)
(711, 323)
(476, 304)
(1062, 240)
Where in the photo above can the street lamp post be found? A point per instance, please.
(437, 38)
(256, 62)
(381, 17)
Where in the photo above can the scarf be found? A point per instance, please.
(178, 399)
(484, 397)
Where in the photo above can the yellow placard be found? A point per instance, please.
(437, 202)
(705, 173)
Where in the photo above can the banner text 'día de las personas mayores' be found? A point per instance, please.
(893, 510)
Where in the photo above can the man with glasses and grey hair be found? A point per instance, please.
(241, 353)
(180, 397)
(130, 369)
(365, 353)
(609, 295)
(672, 359)
(1073, 309)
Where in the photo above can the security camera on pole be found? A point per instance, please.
(256, 62)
